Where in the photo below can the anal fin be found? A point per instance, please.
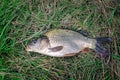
(85, 50)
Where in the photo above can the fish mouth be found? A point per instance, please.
(28, 48)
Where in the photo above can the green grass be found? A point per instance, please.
(23, 20)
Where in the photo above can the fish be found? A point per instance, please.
(67, 43)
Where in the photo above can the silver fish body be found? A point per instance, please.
(62, 43)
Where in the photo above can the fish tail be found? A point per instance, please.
(101, 50)
(102, 40)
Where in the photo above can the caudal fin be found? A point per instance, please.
(102, 40)
(101, 51)
(99, 48)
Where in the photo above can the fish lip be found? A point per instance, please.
(28, 48)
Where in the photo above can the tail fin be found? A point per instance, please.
(102, 40)
(100, 49)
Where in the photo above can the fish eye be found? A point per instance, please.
(34, 41)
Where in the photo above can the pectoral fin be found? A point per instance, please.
(55, 49)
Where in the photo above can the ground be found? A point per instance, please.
(23, 20)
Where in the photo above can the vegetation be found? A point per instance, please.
(23, 20)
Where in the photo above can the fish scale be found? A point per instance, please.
(63, 36)
(71, 40)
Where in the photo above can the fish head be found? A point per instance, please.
(38, 45)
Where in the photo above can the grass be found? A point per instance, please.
(23, 20)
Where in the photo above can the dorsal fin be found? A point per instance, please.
(84, 33)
